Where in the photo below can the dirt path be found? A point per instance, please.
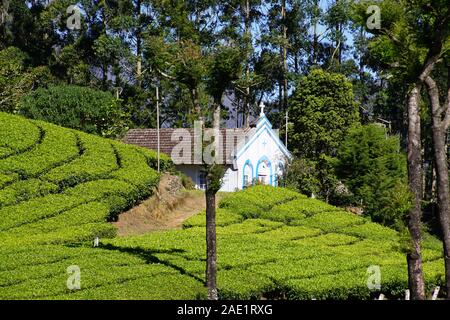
(167, 209)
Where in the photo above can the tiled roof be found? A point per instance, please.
(232, 140)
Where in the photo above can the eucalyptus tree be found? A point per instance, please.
(284, 34)
(409, 42)
(337, 19)
(239, 20)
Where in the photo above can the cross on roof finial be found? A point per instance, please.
(262, 106)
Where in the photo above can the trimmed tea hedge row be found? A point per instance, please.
(250, 204)
(17, 135)
(98, 159)
(134, 169)
(24, 190)
(6, 179)
(54, 204)
(59, 145)
(5, 152)
(105, 272)
(82, 223)
(313, 254)
(223, 217)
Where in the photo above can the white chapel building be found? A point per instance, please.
(249, 154)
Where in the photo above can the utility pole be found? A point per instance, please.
(286, 135)
(157, 123)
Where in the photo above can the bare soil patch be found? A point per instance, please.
(167, 209)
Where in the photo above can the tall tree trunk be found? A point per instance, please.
(339, 40)
(414, 258)
(280, 95)
(248, 36)
(439, 128)
(138, 35)
(316, 35)
(430, 181)
(443, 195)
(210, 194)
(196, 102)
(211, 252)
(361, 63)
(284, 56)
(216, 124)
(415, 180)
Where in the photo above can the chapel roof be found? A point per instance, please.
(232, 141)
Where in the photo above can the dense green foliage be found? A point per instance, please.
(370, 164)
(17, 78)
(322, 110)
(301, 175)
(75, 107)
(193, 51)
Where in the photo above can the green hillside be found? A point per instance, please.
(59, 187)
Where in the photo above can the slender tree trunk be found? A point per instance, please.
(361, 63)
(280, 95)
(316, 35)
(439, 129)
(284, 57)
(211, 253)
(443, 195)
(247, 67)
(339, 41)
(414, 258)
(210, 194)
(429, 181)
(138, 46)
(196, 102)
(216, 124)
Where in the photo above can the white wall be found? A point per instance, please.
(230, 180)
(263, 147)
(192, 171)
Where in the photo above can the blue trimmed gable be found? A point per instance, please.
(263, 125)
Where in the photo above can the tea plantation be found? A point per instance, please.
(59, 188)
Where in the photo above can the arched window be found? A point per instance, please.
(247, 174)
(264, 171)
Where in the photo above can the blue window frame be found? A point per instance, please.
(245, 177)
